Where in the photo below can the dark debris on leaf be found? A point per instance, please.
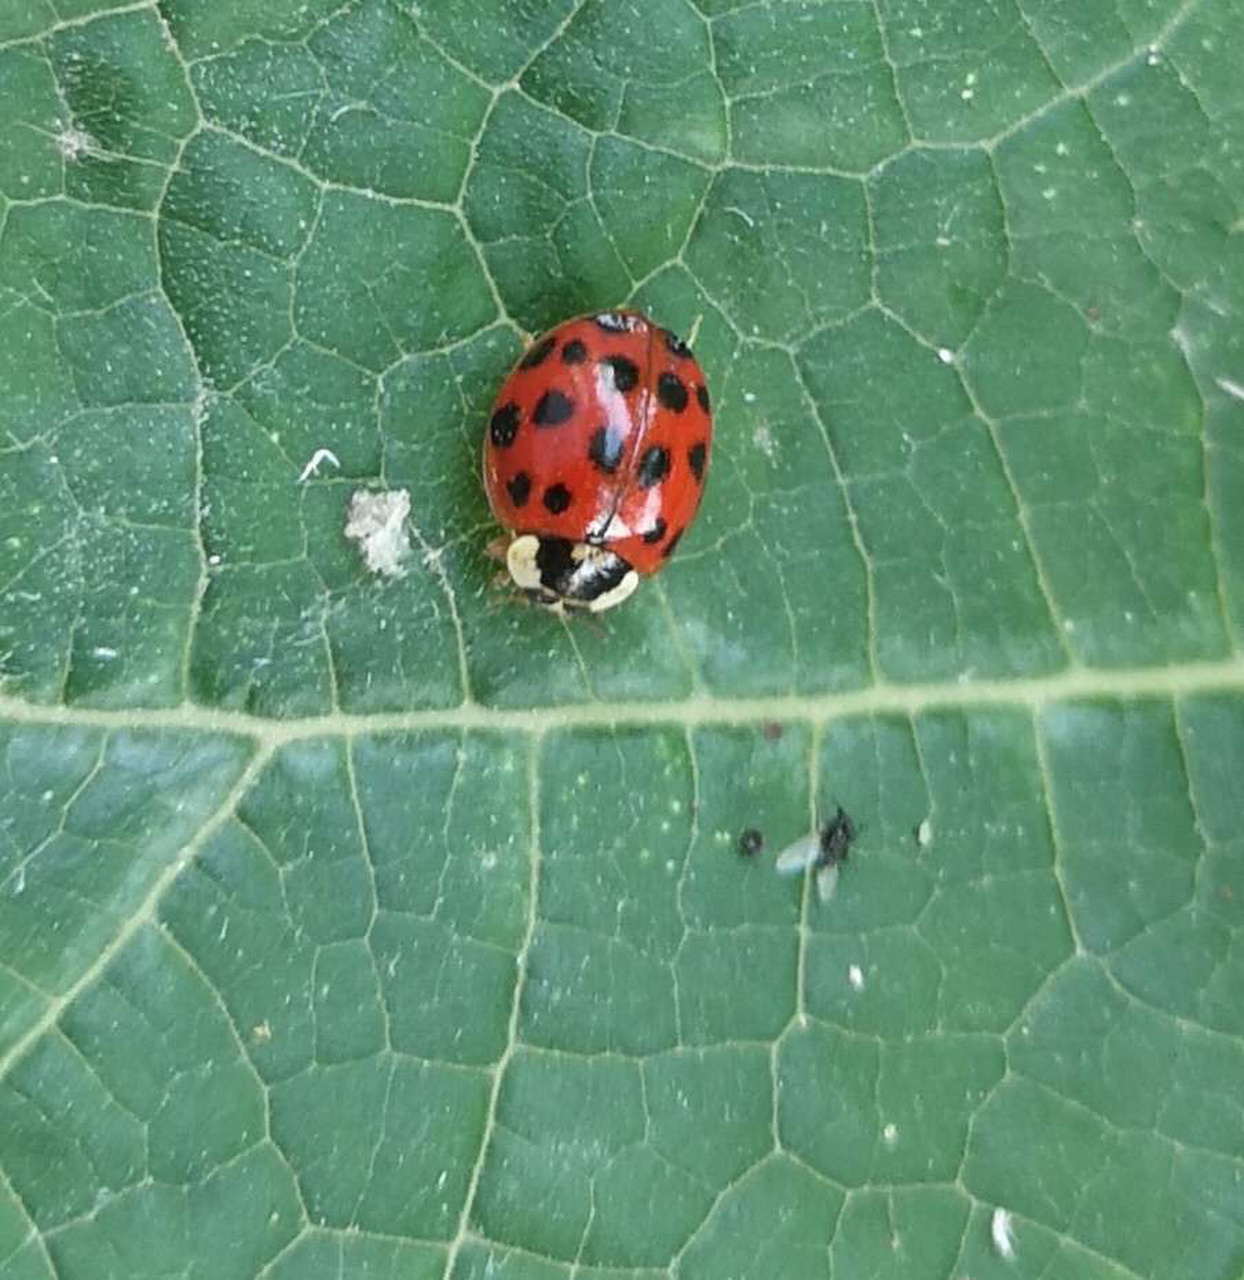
(751, 842)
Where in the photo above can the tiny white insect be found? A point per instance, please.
(805, 853)
(824, 849)
(1001, 1232)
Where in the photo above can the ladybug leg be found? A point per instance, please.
(506, 594)
(496, 548)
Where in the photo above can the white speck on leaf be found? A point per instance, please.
(855, 975)
(377, 522)
(103, 652)
(312, 467)
(924, 833)
(74, 142)
(1000, 1231)
(945, 355)
(889, 1135)
(1233, 389)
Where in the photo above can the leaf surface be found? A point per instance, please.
(368, 925)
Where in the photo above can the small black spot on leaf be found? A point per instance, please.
(750, 843)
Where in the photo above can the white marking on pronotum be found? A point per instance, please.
(1232, 389)
(1001, 1231)
(312, 467)
(855, 975)
(377, 522)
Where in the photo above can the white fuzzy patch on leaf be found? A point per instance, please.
(377, 522)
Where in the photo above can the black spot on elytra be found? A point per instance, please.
(701, 394)
(653, 466)
(605, 449)
(574, 352)
(538, 354)
(504, 425)
(519, 488)
(612, 322)
(672, 392)
(656, 533)
(672, 545)
(625, 372)
(675, 344)
(552, 409)
(695, 458)
(556, 498)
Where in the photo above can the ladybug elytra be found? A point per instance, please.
(595, 458)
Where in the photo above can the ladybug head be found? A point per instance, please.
(561, 574)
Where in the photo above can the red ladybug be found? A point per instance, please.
(595, 457)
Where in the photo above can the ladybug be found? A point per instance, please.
(595, 458)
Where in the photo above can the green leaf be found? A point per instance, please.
(369, 924)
